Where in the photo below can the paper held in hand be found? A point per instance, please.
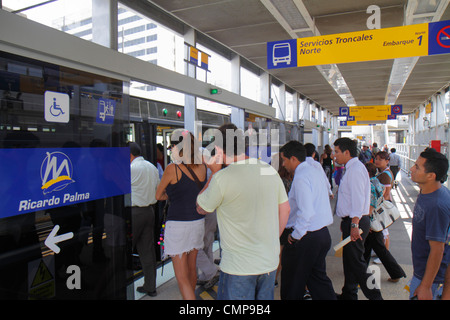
(344, 242)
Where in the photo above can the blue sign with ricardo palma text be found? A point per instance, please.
(41, 179)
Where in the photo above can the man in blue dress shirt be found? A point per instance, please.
(303, 259)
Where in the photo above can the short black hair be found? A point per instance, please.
(135, 150)
(233, 147)
(310, 149)
(294, 149)
(393, 150)
(436, 162)
(347, 144)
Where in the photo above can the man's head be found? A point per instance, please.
(293, 153)
(365, 146)
(310, 149)
(135, 150)
(431, 166)
(345, 149)
(233, 140)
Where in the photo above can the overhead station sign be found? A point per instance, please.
(368, 114)
(369, 45)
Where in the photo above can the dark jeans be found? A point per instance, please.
(251, 287)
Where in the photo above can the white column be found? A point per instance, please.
(295, 106)
(264, 79)
(190, 102)
(104, 23)
(282, 101)
(237, 114)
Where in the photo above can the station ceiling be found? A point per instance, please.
(246, 26)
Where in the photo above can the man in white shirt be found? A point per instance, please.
(394, 165)
(144, 181)
(353, 206)
(303, 259)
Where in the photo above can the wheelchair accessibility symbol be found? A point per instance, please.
(56, 106)
(55, 109)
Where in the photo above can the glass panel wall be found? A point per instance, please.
(150, 41)
(250, 85)
(65, 172)
(74, 17)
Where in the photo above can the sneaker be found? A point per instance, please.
(307, 295)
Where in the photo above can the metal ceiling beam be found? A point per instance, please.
(37, 41)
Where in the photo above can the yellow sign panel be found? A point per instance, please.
(368, 45)
(193, 55)
(370, 112)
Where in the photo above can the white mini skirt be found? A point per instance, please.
(183, 236)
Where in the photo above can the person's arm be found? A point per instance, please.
(167, 177)
(446, 290)
(423, 291)
(358, 187)
(283, 215)
(385, 180)
(304, 198)
(209, 197)
(200, 210)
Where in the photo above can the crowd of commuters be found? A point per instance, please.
(273, 219)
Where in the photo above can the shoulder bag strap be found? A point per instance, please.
(195, 177)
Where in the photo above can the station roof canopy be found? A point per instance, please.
(245, 27)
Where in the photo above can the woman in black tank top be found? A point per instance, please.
(181, 184)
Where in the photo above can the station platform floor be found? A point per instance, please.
(400, 246)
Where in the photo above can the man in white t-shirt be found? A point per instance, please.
(252, 210)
